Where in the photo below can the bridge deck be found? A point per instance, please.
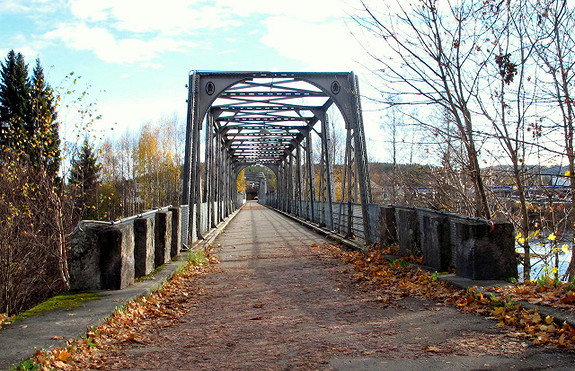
(278, 303)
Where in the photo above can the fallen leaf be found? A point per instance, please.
(569, 298)
(40, 356)
(63, 355)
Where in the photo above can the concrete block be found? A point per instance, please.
(84, 258)
(407, 231)
(482, 253)
(144, 245)
(163, 237)
(387, 229)
(435, 239)
(102, 256)
(176, 243)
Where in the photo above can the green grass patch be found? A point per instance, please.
(27, 365)
(151, 274)
(66, 300)
(197, 257)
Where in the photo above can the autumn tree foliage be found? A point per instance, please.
(156, 172)
(141, 170)
(33, 234)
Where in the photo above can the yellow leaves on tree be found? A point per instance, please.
(242, 182)
(156, 171)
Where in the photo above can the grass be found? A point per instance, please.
(66, 300)
(151, 274)
(197, 257)
(27, 365)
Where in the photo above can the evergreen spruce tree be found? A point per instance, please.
(84, 180)
(28, 114)
(45, 126)
(14, 102)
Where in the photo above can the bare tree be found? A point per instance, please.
(552, 35)
(429, 59)
(506, 99)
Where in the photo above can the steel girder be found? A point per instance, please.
(267, 118)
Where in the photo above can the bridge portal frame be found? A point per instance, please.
(265, 118)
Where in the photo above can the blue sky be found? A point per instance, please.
(136, 54)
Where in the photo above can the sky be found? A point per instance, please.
(134, 56)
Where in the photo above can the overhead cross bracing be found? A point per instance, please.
(261, 119)
(269, 118)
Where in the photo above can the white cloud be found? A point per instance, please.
(168, 17)
(150, 65)
(91, 10)
(308, 10)
(323, 46)
(31, 8)
(110, 49)
(229, 51)
(12, 6)
(140, 31)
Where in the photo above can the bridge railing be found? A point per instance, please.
(110, 255)
(475, 248)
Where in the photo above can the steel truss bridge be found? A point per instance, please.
(239, 119)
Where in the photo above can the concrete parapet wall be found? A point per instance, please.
(102, 256)
(435, 239)
(176, 240)
(387, 230)
(482, 252)
(144, 249)
(407, 227)
(163, 237)
(109, 255)
(476, 248)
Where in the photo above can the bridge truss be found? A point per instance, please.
(239, 119)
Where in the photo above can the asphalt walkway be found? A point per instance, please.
(278, 302)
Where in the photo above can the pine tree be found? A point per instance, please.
(43, 120)
(14, 101)
(84, 180)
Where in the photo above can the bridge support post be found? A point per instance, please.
(298, 189)
(310, 176)
(361, 157)
(209, 178)
(327, 174)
